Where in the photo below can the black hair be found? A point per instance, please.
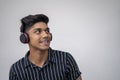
(30, 20)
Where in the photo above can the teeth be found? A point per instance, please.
(44, 41)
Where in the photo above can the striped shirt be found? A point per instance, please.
(59, 66)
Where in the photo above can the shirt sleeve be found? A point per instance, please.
(72, 69)
(12, 74)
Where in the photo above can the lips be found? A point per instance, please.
(45, 42)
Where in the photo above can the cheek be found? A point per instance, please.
(33, 38)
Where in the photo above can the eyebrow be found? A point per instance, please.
(41, 28)
(37, 29)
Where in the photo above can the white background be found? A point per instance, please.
(88, 29)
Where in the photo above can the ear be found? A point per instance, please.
(51, 36)
(24, 38)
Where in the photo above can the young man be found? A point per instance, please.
(42, 62)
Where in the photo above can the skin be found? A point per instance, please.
(39, 44)
(79, 78)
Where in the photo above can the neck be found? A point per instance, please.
(38, 57)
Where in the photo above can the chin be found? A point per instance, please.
(45, 48)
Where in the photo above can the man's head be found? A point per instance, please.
(30, 20)
(35, 31)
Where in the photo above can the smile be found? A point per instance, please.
(45, 41)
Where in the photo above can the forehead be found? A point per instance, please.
(41, 25)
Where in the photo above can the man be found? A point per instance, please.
(42, 62)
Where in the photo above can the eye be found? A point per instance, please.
(47, 30)
(37, 31)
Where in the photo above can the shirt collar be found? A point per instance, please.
(26, 61)
(51, 57)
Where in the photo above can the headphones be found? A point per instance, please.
(24, 37)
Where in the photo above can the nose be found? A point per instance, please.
(45, 34)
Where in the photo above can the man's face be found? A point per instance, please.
(39, 36)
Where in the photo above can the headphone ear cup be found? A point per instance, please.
(51, 36)
(24, 38)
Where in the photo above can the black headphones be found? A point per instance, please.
(24, 38)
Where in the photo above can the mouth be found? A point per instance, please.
(45, 42)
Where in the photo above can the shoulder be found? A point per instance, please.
(22, 62)
(18, 63)
(60, 52)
